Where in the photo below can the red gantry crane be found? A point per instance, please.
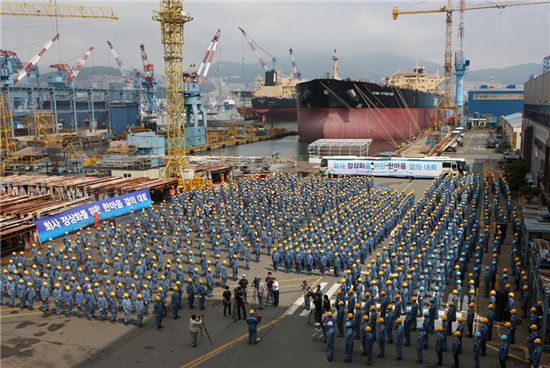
(208, 57)
(67, 75)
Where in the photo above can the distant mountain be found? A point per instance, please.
(88, 73)
(374, 68)
(368, 67)
(517, 74)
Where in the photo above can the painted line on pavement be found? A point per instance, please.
(19, 314)
(408, 185)
(306, 312)
(228, 345)
(467, 144)
(235, 341)
(332, 290)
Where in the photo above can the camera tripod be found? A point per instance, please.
(207, 334)
(254, 298)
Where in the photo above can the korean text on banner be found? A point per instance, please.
(79, 217)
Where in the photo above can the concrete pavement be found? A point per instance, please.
(32, 338)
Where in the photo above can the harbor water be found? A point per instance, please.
(288, 147)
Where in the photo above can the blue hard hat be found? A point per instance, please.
(504, 337)
(478, 334)
(348, 324)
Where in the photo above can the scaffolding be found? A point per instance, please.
(338, 147)
(7, 142)
(172, 18)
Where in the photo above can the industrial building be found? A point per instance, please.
(511, 125)
(536, 130)
(497, 102)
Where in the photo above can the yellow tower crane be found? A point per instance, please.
(57, 10)
(172, 19)
(15, 8)
(446, 103)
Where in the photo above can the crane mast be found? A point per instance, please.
(149, 83)
(206, 62)
(79, 64)
(126, 74)
(252, 45)
(446, 103)
(9, 8)
(34, 60)
(172, 19)
(295, 72)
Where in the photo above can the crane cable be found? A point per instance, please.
(377, 108)
(369, 101)
(407, 109)
(353, 110)
(387, 120)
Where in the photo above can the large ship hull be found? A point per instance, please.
(329, 108)
(275, 109)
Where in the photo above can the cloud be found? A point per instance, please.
(358, 29)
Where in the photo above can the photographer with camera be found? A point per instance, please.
(195, 326)
(269, 284)
(239, 299)
(258, 285)
(243, 283)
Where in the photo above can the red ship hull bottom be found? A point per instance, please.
(377, 124)
(280, 114)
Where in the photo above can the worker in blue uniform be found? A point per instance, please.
(399, 337)
(45, 296)
(470, 319)
(381, 332)
(190, 294)
(503, 351)
(102, 306)
(330, 341)
(175, 301)
(127, 308)
(113, 306)
(349, 341)
(536, 354)
(160, 312)
(440, 344)
(340, 311)
(201, 290)
(457, 348)
(139, 307)
(369, 342)
(477, 348)
(252, 322)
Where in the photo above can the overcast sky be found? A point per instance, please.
(358, 29)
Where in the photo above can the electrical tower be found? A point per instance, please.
(172, 19)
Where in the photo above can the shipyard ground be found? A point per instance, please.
(32, 338)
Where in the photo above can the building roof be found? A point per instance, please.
(339, 147)
(514, 120)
